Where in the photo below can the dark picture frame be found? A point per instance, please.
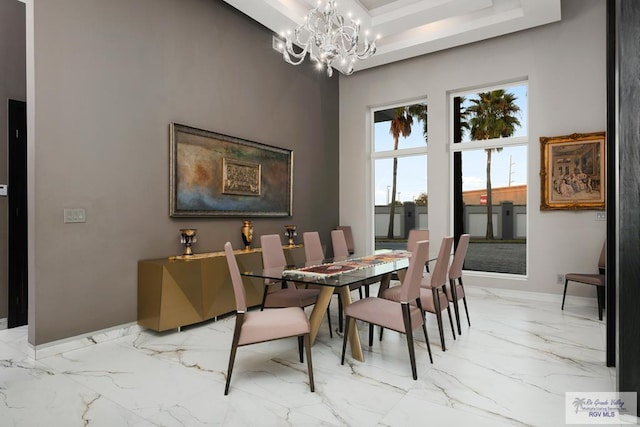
(572, 173)
(217, 175)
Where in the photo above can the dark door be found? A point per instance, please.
(17, 246)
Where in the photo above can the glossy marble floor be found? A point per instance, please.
(512, 367)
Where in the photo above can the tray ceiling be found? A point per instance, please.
(409, 28)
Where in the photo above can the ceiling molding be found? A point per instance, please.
(409, 28)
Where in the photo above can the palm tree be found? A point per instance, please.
(492, 115)
(401, 126)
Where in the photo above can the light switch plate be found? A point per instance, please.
(75, 215)
(601, 216)
(3, 189)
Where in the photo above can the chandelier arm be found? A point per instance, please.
(288, 52)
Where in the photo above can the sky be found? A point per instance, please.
(411, 169)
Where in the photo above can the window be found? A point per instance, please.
(489, 153)
(400, 198)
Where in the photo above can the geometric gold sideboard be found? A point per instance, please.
(179, 291)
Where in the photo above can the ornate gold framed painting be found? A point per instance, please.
(572, 175)
(216, 175)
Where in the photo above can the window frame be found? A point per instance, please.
(462, 146)
(390, 154)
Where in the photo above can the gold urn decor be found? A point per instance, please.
(188, 238)
(290, 232)
(247, 234)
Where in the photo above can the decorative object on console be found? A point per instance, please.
(247, 234)
(290, 232)
(188, 238)
(327, 36)
(572, 174)
(215, 175)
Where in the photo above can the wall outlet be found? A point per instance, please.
(560, 279)
(75, 215)
(601, 216)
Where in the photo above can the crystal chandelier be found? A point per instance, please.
(327, 37)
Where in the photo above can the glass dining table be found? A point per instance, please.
(340, 274)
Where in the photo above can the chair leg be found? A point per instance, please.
(370, 334)
(456, 308)
(564, 294)
(600, 293)
(464, 300)
(381, 331)
(344, 338)
(426, 340)
(438, 313)
(340, 314)
(264, 297)
(300, 345)
(234, 348)
(409, 331)
(424, 328)
(444, 291)
(307, 345)
(329, 320)
(453, 332)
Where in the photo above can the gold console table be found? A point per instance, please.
(179, 291)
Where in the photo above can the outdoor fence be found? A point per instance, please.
(509, 220)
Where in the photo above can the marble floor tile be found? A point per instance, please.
(512, 367)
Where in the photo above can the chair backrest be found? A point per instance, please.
(272, 253)
(236, 279)
(312, 246)
(439, 273)
(340, 249)
(348, 236)
(455, 271)
(602, 262)
(410, 289)
(415, 236)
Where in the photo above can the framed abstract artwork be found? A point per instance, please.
(216, 175)
(572, 174)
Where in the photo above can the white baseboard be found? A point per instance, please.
(82, 341)
(3, 323)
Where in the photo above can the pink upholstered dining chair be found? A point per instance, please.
(455, 291)
(341, 251)
(415, 235)
(403, 315)
(313, 251)
(339, 244)
(261, 326)
(314, 254)
(436, 301)
(593, 279)
(279, 294)
(432, 290)
(348, 237)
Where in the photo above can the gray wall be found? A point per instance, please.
(12, 86)
(109, 78)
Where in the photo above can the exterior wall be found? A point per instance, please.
(475, 219)
(516, 194)
(13, 85)
(109, 77)
(550, 58)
